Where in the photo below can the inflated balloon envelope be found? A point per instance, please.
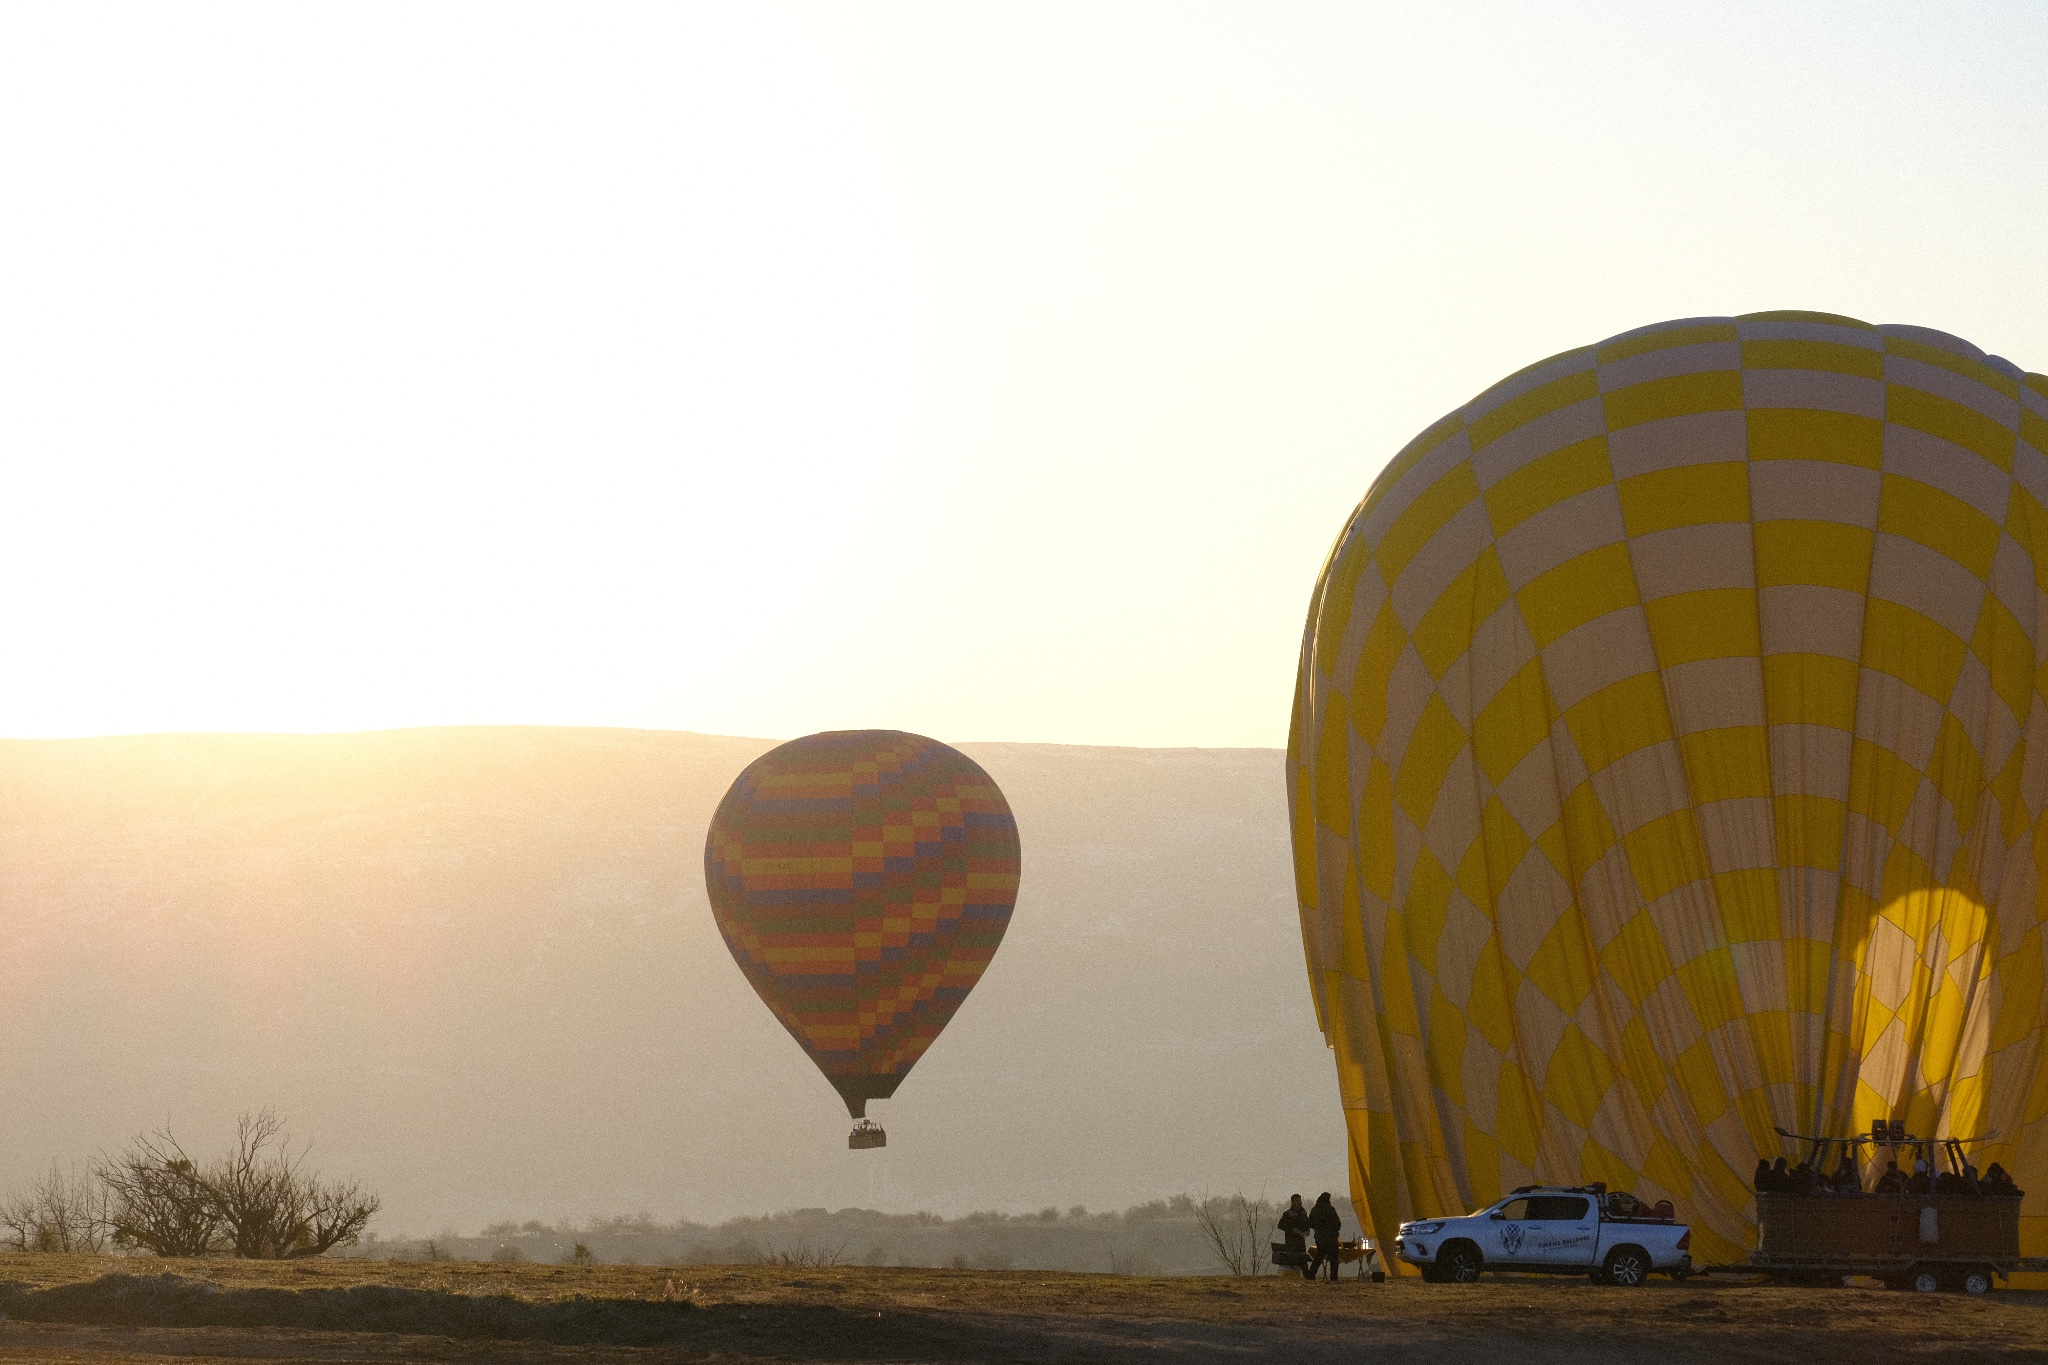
(863, 880)
(1668, 766)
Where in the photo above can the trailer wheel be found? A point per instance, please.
(1626, 1266)
(1976, 1280)
(1923, 1280)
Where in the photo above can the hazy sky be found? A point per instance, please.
(991, 371)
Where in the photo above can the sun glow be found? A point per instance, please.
(988, 372)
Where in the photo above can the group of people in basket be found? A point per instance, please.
(1775, 1176)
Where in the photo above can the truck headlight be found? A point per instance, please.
(1424, 1227)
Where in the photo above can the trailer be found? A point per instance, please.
(1954, 1237)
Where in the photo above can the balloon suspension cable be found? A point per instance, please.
(866, 1133)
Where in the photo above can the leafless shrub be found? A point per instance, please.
(803, 1255)
(580, 1255)
(1236, 1229)
(58, 1212)
(258, 1201)
(158, 1202)
(271, 1208)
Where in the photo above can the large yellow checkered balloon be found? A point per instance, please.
(1668, 766)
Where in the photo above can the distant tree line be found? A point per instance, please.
(257, 1200)
(1177, 1236)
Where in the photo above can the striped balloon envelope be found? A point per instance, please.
(863, 880)
(1668, 768)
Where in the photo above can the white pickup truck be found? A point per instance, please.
(1551, 1229)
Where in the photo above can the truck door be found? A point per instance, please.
(1543, 1230)
(1507, 1233)
(1567, 1228)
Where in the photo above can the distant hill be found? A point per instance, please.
(477, 968)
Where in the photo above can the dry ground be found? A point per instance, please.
(66, 1308)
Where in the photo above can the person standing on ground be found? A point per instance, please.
(1328, 1226)
(1294, 1226)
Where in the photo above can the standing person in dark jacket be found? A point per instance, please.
(1328, 1226)
(1294, 1226)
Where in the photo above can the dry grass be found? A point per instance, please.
(117, 1312)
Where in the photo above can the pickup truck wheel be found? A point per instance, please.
(1977, 1281)
(1626, 1266)
(1459, 1263)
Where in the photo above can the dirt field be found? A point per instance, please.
(117, 1312)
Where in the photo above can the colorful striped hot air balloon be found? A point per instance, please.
(863, 879)
(1668, 767)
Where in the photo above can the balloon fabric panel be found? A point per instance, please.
(863, 880)
(1668, 764)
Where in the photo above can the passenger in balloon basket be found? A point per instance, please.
(1328, 1226)
(1294, 1226)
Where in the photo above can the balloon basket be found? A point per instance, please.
(866, 1133)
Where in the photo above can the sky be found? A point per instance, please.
(997, 372)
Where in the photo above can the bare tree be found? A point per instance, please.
(258, 1201)
(157, 1200)
(334, 1215)
(271, 1208)
(1236, 1229)
(57, 1212)
(251, 1190)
